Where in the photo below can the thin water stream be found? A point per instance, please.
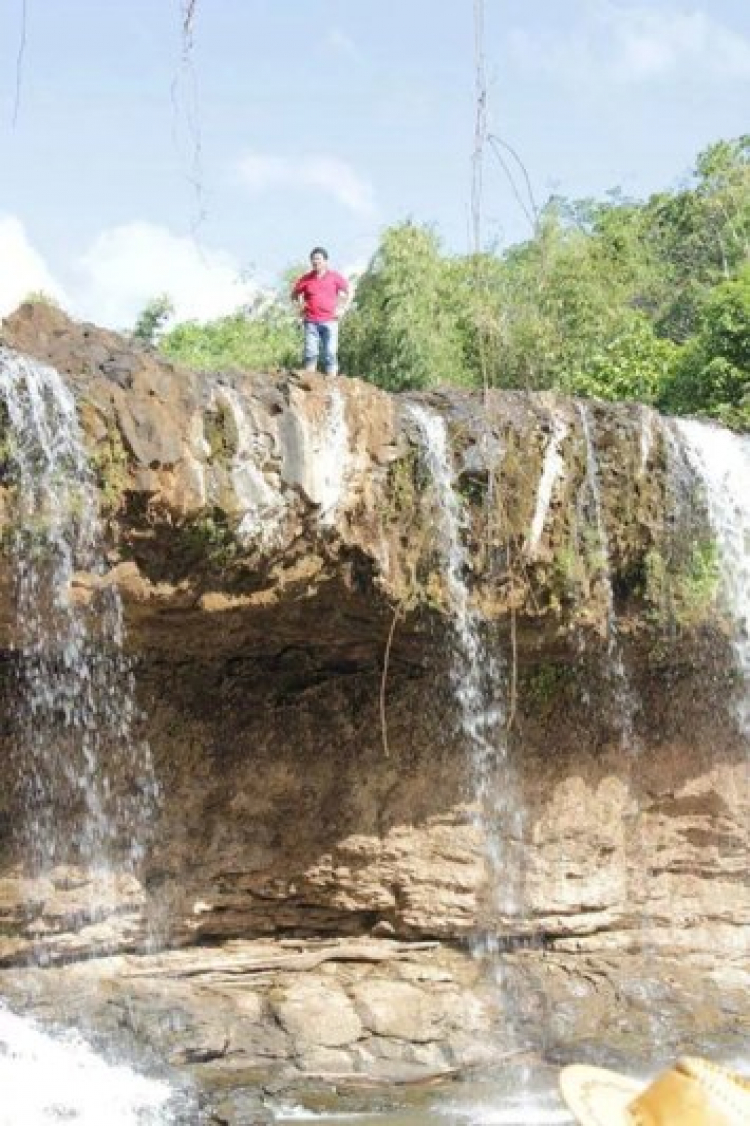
(721, 461)
(476, 673)
(479, 684)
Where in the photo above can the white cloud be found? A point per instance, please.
(22, 268)
(128, 265)
(328, 174)
(635, 44)
(119, 273)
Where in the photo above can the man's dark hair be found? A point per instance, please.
(319, 250)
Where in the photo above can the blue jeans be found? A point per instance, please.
(323, 334)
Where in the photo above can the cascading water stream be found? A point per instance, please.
(481, 720)
(479, 684)
(87, 784)
(721, 461)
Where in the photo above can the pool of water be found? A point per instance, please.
(518, 1097)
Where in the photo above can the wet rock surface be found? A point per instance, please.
(274, 543)
(275, 1016)
(244, 1026)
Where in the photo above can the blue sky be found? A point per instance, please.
(307, 121)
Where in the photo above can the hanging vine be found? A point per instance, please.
(185, 102)
(20, 56)
(484, 140)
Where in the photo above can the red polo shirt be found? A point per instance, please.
(320, 293)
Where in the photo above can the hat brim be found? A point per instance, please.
(598, 1097)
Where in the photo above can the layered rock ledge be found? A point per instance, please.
(277, 542)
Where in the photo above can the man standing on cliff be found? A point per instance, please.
(319, 295)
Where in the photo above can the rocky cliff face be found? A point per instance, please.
(278, 543)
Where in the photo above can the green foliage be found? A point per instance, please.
(404, 329)
(110, 464)
(698, 236)
(543, 686)
(152, 319)
(713, 377)
(41, 297)
(263, 338)
(208, 540)
(402, 487)
(221, 435)
(566, 296)
(634, 364)
(686, 594)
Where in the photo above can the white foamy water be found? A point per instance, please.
(75, 698)
(518, 1116)
(551, 471)
(721, 460)
(45, 1080)
(474, 671)
(647, 434)
(469, 1116)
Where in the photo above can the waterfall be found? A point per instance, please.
(480, 722)
(46, 1080)
(649, 427)
(86, 784)
(624, 699)
(478, 682)
(721, 461)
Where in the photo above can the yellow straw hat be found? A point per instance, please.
(693, 1092)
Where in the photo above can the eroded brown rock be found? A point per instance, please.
(264, 530)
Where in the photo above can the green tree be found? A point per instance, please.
(700, 236)
(152, 319)
(403, 330)
(633, 364)
(713, 376)
(564, 295)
